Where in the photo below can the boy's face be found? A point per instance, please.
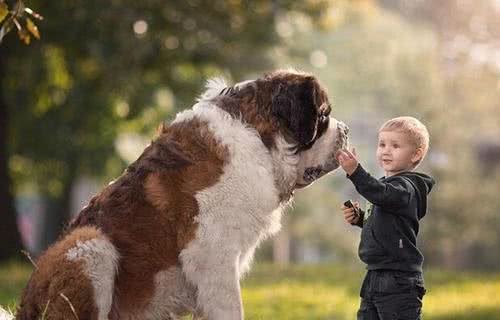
(395, 152)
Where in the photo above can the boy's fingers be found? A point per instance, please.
(345, 157)
(348, 211)
(350, 154)
(342, 159)
(341, 155)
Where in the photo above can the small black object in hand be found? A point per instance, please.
(349, 204)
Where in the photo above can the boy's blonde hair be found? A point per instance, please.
(414, 129)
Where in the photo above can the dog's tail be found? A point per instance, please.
(6, 315)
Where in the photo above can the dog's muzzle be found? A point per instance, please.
(341, 142)
(342, 137)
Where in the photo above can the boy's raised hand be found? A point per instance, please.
(348, 160)
(349, 215)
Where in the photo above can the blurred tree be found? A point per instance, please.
(114, 68)
(10, 240)
(17, 16)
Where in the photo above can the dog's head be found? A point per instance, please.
(291, 112)
(301, 106)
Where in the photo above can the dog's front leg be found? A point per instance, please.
(214, 272)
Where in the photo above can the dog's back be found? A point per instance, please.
(138, 225)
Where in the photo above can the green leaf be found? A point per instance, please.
(4, 11)
(32, 28)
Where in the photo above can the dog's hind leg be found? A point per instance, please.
(73, 279)
(100, 262)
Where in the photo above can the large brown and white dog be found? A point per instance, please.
(174, 234)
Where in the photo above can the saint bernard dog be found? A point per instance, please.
(175, 233)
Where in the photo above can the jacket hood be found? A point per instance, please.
(423, 185)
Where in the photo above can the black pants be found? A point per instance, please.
(391, 295)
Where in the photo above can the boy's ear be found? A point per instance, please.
(417, 155)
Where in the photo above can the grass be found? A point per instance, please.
(327, 292)
(13, 278)
(332, 292)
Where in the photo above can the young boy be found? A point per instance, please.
(393, 287)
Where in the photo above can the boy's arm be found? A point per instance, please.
(394, 193)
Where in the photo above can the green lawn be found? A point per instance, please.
(328, 292)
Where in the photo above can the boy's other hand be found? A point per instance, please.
(349, 215)
(348, 160)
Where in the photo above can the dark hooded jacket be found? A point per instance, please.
(391, 225)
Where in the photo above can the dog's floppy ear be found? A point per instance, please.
(295, 106)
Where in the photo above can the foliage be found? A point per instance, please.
(108, 73)
(111, 72)
(328, 292)
(15, 17)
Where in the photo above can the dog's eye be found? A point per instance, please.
(328, 109)
(324, 111)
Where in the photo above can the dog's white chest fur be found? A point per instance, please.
(235, 214)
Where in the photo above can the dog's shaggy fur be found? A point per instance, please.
(174, 234)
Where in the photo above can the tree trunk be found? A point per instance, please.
(10, 238)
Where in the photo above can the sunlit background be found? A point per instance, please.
(82, 102)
